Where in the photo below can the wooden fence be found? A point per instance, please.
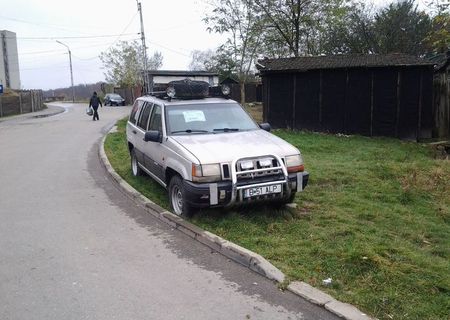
(20, 102)
(253, 92)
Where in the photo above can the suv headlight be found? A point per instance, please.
(295, 163)
(206, 172)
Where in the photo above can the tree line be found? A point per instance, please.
(291, 28)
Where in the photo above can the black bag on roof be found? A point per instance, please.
(190, 89)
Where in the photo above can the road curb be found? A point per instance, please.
(233, 251)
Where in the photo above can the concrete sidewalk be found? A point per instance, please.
(51, 110)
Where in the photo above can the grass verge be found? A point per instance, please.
(375, 218)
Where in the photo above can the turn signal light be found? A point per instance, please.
(299, 168)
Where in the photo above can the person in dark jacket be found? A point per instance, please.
(94, 102)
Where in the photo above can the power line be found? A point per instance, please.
(172, 50)
(51, 26)
(39, 52)
(60, 51)
(38, 24)
(117, 39)
(125, 29)
(73, 37)
(95, 57)
(37, 68)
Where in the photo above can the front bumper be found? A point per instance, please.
(219, 194)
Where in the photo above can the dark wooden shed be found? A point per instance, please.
(373, 95)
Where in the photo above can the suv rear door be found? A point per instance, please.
(139, 131)
(153, 151)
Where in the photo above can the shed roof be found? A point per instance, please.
(339, 61)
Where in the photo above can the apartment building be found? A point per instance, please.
(9, 60)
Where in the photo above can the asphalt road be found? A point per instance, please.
(73, 246)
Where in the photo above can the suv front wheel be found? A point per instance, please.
(177, 197)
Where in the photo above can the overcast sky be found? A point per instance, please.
(173, 27)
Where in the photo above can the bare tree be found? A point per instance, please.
(298, 23)
(242, 24)
(353, 32)
(124, 63)
(202, 60)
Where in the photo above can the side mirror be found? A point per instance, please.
(265, 126)
(153, 136)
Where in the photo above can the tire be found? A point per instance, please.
(291, 197)
(177, 197)
(135, 169)
(279, 204)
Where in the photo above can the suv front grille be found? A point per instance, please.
(258, 170)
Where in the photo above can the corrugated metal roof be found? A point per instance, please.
(340, 61)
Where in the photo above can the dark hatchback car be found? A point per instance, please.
(114, 99)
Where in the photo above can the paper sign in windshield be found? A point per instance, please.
(193, 115)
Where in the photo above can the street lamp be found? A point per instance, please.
(71, 73)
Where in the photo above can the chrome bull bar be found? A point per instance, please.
(234, 176)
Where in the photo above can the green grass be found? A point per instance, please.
(375, 218)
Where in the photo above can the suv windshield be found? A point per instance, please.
(208, 118)
(115, 96)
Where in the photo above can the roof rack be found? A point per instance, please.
(190, 89)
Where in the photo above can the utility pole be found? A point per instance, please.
(71, 73)
(144, 50)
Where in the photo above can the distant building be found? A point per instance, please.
(9, 60)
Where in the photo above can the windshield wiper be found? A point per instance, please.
(190, 131)
(227, 130)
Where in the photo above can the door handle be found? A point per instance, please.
(134, 131)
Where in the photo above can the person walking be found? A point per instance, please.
(94, 102)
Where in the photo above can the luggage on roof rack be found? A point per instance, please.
(190, 89)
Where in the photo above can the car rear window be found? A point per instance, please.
(136, 106)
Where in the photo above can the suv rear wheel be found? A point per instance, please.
(177, 197)
(137, 171)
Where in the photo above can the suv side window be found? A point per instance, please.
(137, 105)
(155, 119)
(143, 118)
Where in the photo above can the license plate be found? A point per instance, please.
(260, 191)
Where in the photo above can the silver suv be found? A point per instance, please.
(209, 152)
